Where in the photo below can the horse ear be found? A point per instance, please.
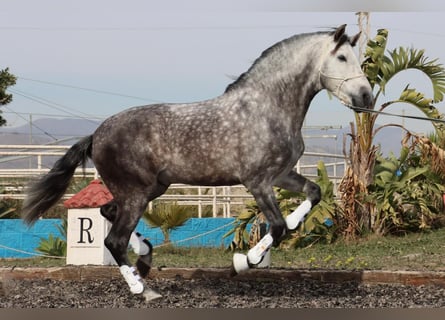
(355, 39)
(339, 32)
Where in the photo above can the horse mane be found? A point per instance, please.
(277, 46)
(266, 53)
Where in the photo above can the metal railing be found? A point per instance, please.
(20, 163)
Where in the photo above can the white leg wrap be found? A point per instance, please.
(240, 263)
(261, 248)
(132, 278)
(265, 263)
(138, 245)
(258, 256)
(294, 219)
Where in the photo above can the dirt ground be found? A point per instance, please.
(216, 293)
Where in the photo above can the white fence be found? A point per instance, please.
(19, 163)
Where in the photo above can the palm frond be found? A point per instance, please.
(167, 215)
(375, 57)
(401, 59)
(418, 100)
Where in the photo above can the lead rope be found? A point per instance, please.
(359, 109)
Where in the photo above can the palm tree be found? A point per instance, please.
(167, 217)
(359, 215)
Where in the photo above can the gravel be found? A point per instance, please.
(216, 293)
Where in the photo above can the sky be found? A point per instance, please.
(92, 59)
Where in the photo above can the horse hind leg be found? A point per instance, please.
(140, 246)
(125, 212)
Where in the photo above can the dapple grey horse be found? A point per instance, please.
(249, 135)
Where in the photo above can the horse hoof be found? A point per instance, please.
(240, 263)
(150, 295)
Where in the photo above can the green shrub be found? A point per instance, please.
(319, 225)
(55, 246)
(406, 194)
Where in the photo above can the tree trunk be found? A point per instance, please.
(358, 214)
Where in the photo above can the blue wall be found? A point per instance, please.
(16, 235)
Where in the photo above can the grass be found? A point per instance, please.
(420, 251)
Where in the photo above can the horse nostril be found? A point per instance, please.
(367, 97)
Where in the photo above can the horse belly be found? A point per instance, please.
(202, 171)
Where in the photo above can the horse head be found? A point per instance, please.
(340, 71)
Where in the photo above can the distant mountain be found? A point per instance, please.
(42, 132)
(45, 131)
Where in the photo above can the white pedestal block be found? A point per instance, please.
(86, 232)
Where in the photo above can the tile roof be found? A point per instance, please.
(94, 195)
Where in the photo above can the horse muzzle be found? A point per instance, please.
(364, 99)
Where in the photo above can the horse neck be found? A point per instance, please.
(286, 79)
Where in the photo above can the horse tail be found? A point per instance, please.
(49, 189)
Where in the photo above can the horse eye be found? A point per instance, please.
(342, 58)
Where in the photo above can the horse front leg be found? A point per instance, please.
(267, 203)
(297, 183)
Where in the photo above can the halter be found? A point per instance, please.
(343, 80)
